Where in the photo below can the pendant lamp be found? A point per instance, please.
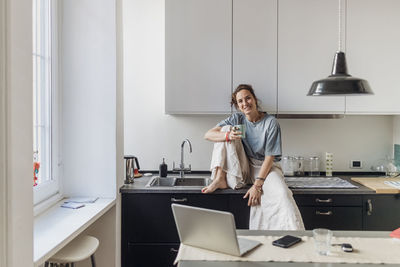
(339, 82)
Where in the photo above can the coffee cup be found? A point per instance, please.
(240, 128)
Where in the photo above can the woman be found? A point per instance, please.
(238, 161)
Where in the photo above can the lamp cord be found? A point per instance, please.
(340, 25)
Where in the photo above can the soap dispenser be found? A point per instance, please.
(163, 169)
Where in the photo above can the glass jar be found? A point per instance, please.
(299, 166)
(314, 166)
(288, 166)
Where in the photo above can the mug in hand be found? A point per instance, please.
(240, 128)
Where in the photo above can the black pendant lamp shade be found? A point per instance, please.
(339, 82)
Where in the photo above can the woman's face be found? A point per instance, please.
(246, 102)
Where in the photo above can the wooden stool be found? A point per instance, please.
(77, 250)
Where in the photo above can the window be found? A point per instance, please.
(45, 100)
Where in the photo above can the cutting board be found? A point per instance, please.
(378, 184)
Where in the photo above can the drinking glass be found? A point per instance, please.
(322, 240)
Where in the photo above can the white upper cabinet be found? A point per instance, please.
(254, 48)
(198, 52)
(307, 42)
(373, 54)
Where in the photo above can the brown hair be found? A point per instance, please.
(241, 87)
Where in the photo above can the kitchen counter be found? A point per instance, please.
(370, 234)
(336, 209)
(139, 187)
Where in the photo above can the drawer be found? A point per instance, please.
(334, 218)
(154, 255)
(328, 200)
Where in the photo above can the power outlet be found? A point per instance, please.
(355, 164)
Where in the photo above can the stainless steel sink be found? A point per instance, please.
(176, 182)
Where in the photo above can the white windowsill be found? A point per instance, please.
(56, 227)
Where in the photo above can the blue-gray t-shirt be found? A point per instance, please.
(263, 138)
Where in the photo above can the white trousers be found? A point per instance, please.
(277, 210)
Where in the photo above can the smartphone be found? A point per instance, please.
(286, 241)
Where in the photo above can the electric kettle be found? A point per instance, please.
(131, 169)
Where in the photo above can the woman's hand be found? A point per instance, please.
(234, 134)
(254, 195)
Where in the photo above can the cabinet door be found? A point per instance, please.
(307, 42)
(255, 47)
(373, 41)
(334, 218)
(198, 49)
(381, 212)
(148, 218)
(238, 207)
(154, 255)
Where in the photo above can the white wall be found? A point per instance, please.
(120, 129)
(104, 230)
(89, 97)
(19, 134)
(150, 135)
(90, 116)
(3, 140)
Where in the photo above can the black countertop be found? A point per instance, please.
(139, 187)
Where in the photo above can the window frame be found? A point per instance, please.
(49, 192)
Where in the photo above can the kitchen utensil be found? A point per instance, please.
(131, 169)
(387, 166)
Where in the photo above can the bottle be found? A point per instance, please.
(163, 169)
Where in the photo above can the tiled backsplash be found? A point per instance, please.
(397, 154)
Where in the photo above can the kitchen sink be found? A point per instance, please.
(176, 182)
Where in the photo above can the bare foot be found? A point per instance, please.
(216, 184)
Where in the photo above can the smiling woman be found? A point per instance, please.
(252, 157)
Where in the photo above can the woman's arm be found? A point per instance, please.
(215, 135)
(254, 193)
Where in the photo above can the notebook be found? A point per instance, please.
(210, 229)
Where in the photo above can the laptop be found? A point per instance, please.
(210, 229)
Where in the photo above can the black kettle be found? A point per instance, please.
(131, 169)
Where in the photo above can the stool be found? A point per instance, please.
(78, 249)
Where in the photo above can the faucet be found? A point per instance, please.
(182, 168)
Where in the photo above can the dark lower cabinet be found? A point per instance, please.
(146, 255)
(334, 218)
(381, 212)
(149, 236)
(335, 212)
(240, 210)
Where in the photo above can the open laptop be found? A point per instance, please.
(210, 229)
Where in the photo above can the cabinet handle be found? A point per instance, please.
(369, 207)
(329, 200)
(328, 213)
(173, 250)
(184, 199)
